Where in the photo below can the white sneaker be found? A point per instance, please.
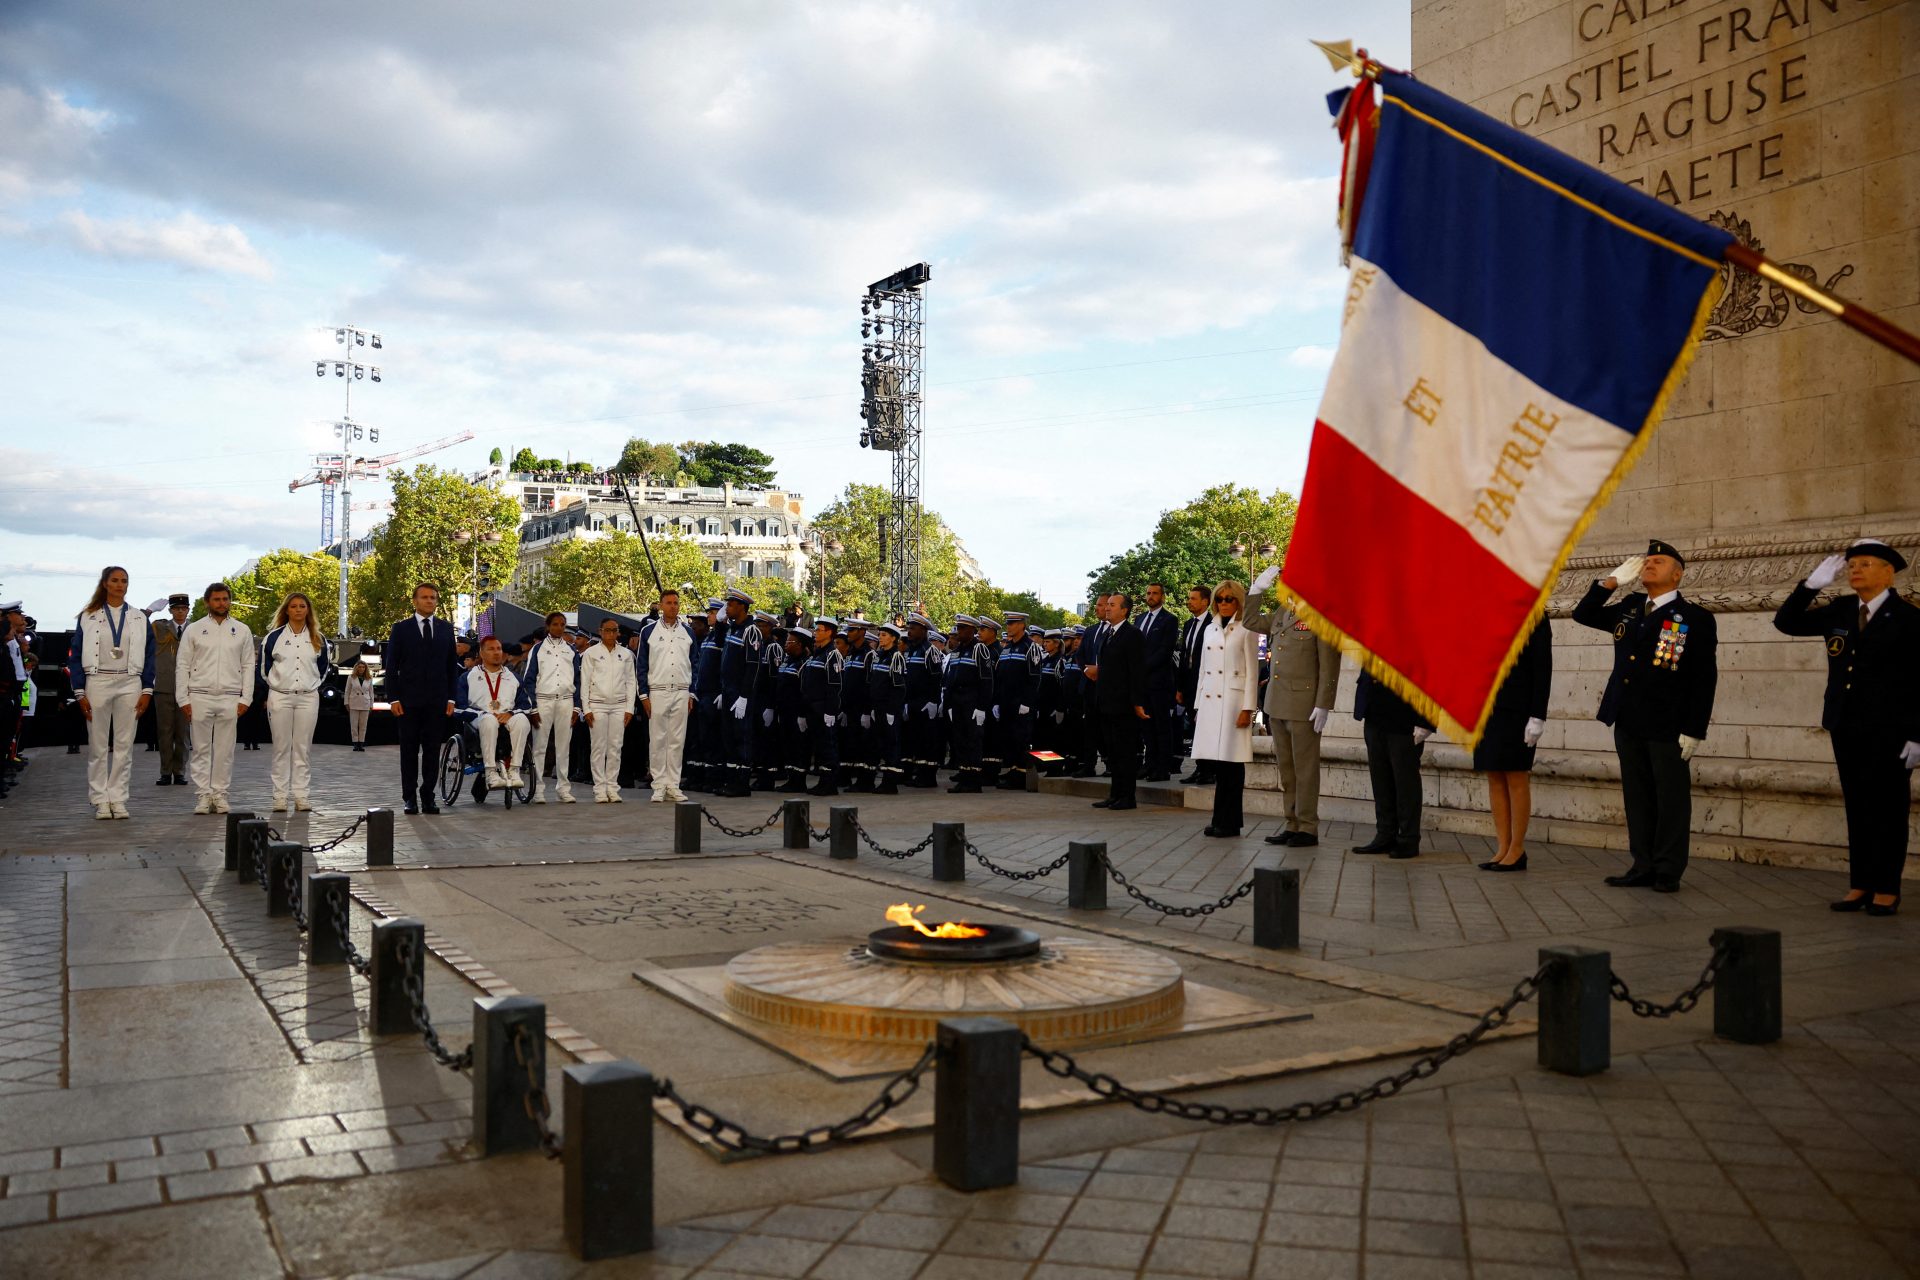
(105, 811)
(565, 797)
(539, 797)
(279, 804)
(658, 797)
(676, 795)
(203, 805)
(599, 797)
(513, 779)
(220, 805)
(120, 811)
(302, 804)
(492, 777)
(615, 797)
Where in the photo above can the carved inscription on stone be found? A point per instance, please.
(641, 901)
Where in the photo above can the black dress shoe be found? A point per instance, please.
(1413, 852)
(1375, 845)
(1222, 833)
(1851, 904)
(1304, 840)
(1666, 886)
(410, 809)
(166, 780)
(1103, 804)
(1157, 777)
(1884, 908)
(430, 807)
(1280, 837)
(1193, 779)
(964, 789)
(1128, 804)
(1631, 880)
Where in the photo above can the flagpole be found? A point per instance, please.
(1851, 314)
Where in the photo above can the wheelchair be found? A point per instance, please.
(460, 760)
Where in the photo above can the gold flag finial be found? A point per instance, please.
(1340, 54)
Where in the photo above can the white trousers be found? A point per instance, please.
(608, 731)
(667, 737)
(357, 724)
(488, 727)
(291, 716)
(109, 765)
(556, 724)
(215, 718)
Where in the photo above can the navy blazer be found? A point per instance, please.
(1387, 709)
(1159, 642)
(421, 672)
(1873, 675)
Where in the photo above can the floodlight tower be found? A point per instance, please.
(350, 370)
(890, 411)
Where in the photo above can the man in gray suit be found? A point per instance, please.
(1304, 675)
(171, 725)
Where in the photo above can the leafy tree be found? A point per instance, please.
(417, 542)
(1039, 612)
(494, 458)
(1192, 544)
(259, 590)
(644, 458)
(771, 594)
(582, 466)
(712, 464)
(524, 460)
(611, 571)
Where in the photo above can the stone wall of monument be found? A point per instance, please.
(1796, 124)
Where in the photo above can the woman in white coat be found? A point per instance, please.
(112, 670)
(359, 704)
(295, 660)
(1224, 701)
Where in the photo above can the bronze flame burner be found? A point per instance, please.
(1001, 942)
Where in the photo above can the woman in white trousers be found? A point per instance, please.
(1224, 701)
(112, 674)
(294, 658)
(359, 704)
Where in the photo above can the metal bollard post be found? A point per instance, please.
(607, 1166)
(796, 825)
(686, 827)
(1276, 908)
(379, 837)
(326, 944)
(234, 818)
(976, 1103)
(949, 851)
(1746, 991)
(285, 862)
(248, 834)
(501, 1119)
(389, 1010)
(1576, 1028)
(1087, 875)
(842, 843)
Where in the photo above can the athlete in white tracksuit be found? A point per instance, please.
(552, 676)
(607, 687)
(213, 682)
(294, 672)
(665, 661)
(112, 674)
(492, 695)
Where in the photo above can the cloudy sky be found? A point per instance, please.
(573, 223)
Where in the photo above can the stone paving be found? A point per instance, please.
(179, 1095)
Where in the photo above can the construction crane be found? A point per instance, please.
(335, 474)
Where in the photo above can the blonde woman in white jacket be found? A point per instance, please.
(1224, 701)
(294, 658)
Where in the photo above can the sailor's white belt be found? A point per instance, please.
(669, 688)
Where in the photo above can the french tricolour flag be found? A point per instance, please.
(1515, 322)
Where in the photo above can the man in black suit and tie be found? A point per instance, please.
(1120, 694)
(1160, 645)
(422, 666)
(1193, 642)
(1090, 710)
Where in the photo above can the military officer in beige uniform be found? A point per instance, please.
(1304, 674)
(171, 724)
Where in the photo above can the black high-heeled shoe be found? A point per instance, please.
(1884, 908)
(1851, 904)
(1518, 864)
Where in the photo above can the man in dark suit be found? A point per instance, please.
(1872, 710)
(1658, 701)
(1090, 643)
(1396, 736)
(1160, 647)
(422, 666)
(1193, 642)
(1120, 694)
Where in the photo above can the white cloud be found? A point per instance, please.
(47, 569)
(45, 497)
(1314, 356)
(45, 141)
(186, 239)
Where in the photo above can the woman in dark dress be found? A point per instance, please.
(1505, 753)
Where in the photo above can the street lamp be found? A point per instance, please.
(477, 536)
(1243, 546)
(824, 544)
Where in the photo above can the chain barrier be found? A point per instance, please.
(539, 1106)
(415, 984)
(259, 856)
(296, 887)
(343, 925)
(1205, 909)
(772, 820)
(1034, 874)
(733, 1137)
(325, 845)
(1682, 1003)
(868, 840)
(1063, 1065)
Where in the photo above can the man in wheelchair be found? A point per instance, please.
(488, 698)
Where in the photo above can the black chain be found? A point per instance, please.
(294, 862)
(324, 845)
(260, 862)
(885, 852)
(343, 925)
(733, 1137)
(539, 1107)
(415, 983)
(818, 836)
(726, 830)
(1682, 1003)
(998, 870)
(1063, 1065)
(1206, 909)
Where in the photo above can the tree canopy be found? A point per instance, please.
(259, 590)
(611, 571)
(647, 458)
(712, 464)
(417, 544)
(1192, 544)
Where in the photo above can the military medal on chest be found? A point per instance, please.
(1670, 644)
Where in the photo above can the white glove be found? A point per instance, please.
(866, 722)
(766, 717)
(1827, 571)
(1420, 734)
(1268, 576)
(1319, 719)
(933, 710)
(979, 717)
(1025, 711)
(1910, 755)
(996, 713)
(800, 723)
(1628, 574)
(739, 708)
(1688, 746)
(889, 717)
(1059, 717)
(1535, 727)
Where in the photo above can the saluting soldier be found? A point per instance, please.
(1872, 710)
(169, 724)
(1303, 676)
(1658, 701)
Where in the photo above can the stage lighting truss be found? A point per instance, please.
(891, 415)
